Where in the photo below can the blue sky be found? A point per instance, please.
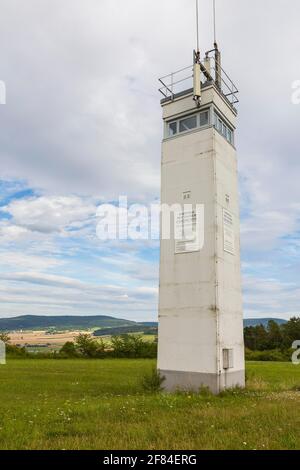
(53, 262)
(82, 126)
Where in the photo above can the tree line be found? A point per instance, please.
(85, 346)
(271, 343)
(273, 336)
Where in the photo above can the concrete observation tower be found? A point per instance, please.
(200, 301)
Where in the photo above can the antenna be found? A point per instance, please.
(215, 24)
(197, 62)
(197, 25)
(200, 68)
(218, 66)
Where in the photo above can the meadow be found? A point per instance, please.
(101, 404)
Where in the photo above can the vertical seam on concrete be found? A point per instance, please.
(160, 255)
(216, 263)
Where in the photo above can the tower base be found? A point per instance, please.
(194, 381)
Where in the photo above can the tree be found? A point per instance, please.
(127, 346)
(133, 346)
(86, 345)
(4, 337)
(250, 338)
(291, 332)
(69, 350)
(256, 338)
(274, 340)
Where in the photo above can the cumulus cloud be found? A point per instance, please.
(51, 214)
(13, 260)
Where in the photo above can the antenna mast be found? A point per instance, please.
(218, 66)
(197, 25)
(197, 62)
(215, 26)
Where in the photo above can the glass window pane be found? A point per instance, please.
(216, 121)
(220, 125)
(188, 124)
(172, 128)
(204, 119)
(230, 136)
(224, 131)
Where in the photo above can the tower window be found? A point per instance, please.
(201, 119)
(204, 118)
(223, 129)
(188, 124)
(172, 128)
(220, 125)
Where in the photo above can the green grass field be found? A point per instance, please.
(86, 404)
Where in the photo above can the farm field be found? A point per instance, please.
(94, 404)
(41, 341)
(50, 341)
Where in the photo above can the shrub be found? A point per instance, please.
(274, 355)
(68, 350)
(132, 346)
(87, 346)
(152, 383)
(16, 351)
(4, 337)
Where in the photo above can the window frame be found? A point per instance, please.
(223, 128)
(209, 123)
(169, 124)
(208, 116)
(185, 119)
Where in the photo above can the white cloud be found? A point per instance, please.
(11, 233)
(16, 260)
(50, 214)
(32, 292)
(266, 297)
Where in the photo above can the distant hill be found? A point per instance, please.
(100, 322)
(262, 321)
(151, 324)
(32, 322)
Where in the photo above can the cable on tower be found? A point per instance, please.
(197, 63)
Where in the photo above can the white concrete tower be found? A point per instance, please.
(200, 301)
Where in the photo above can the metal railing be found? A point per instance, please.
(182, 80)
